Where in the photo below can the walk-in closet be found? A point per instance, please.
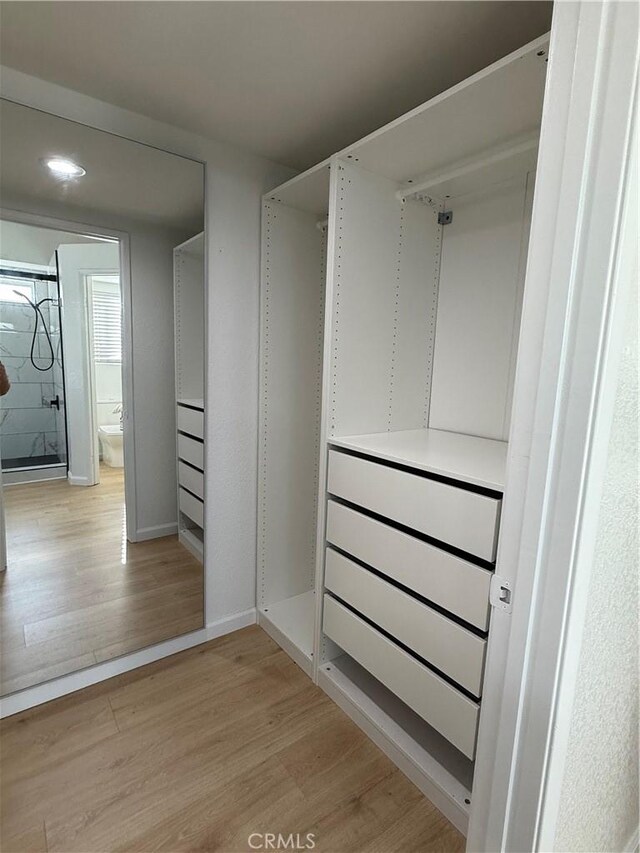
(392, 288)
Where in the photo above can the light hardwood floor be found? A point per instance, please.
(198, 751)
(75, 592)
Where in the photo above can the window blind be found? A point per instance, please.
(107, 326)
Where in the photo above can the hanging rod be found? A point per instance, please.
(490, 157)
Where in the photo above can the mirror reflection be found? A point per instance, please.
(102, 396)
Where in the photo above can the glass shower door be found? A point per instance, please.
(32, 414)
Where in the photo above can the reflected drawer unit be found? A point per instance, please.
(192, 507)
(191, 421)
(191, 455)
(464, 519)
(191, 479)
(191, 451)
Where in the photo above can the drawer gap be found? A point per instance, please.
(406, 649)
(426, 601)
(191, 436)
(191, 465)
(417, 472)
(189, 492)
(189, 406)
(417, 534)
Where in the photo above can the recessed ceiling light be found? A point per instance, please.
(63, 168)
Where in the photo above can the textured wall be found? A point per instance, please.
(599, 798)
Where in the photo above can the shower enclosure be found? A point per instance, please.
(33, 442)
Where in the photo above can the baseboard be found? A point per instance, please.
(228, 624)
(156, 532)
(633, 844)
(41, 693)
(35, 475)
(78, 481)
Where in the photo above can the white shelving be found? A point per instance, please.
(468, 458)
(391, 292)
(188, 282)
(291, 624)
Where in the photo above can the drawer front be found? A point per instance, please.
(454, 650)
(461, 518)
(191, 421)
(441, 705)
(455, 584)
(191, 479)
(191, 451)
(192, 507)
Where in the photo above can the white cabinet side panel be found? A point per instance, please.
(478, 312)
(415, 315)
(290, 374)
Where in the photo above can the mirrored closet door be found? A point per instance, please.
(102, 300)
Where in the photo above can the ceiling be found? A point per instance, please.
(124, 179)
(291, 81)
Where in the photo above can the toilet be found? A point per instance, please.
(110, 436)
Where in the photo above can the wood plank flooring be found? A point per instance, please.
(75, 592)
(198, 751)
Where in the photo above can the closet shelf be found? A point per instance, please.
(291, 624)
(468, 458)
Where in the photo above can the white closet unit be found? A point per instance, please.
(189, 309)
(385, 409)
(294, 242)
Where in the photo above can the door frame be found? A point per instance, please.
(128, 391)
(562, 400)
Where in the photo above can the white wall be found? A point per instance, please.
(598, 808)
(32, 245)
(235, 182)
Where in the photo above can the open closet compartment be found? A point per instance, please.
(189, 312)
(294, 243)
(426, 266)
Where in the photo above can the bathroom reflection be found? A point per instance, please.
(95, 567)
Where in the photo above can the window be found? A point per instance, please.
(107, 326)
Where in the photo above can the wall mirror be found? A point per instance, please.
(102, 295)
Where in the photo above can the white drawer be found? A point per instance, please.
(464, 519)
(451, 582)
(191, 479)
(192, 507)
(191, 421)
(191, 451)
(454, 650)
(441, 705)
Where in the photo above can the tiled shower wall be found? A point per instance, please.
(30, 427)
